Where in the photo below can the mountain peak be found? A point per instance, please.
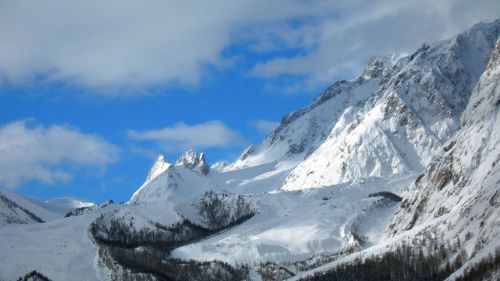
(374, 68)
(160, 165)
(190, 159)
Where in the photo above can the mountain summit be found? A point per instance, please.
(191, 160)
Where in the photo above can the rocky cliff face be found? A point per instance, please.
(459, 193)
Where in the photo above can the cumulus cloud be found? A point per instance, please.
(180, 137)
(31, 152)
(265, 126)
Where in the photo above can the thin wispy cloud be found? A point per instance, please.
(265, 126)
(32, 152)
(181, 136)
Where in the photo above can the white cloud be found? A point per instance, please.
(265, 126)
(343, 44)
(49, 155)
(180, 137)
(137, 44)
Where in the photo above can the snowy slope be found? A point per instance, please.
(18, 209)
(324, 219)
(406, 119)
(460, 192)
(15, 208)
(302, 131)
(14, 212)
(60, 249)
(294, 226)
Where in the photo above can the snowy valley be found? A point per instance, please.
(405, 154)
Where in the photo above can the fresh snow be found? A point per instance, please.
(293, 226)
(60, 249)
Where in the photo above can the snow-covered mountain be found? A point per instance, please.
(12, 210)
(18, 209)
(421, 129)
(402, 123)
(188, 176)
(454, 205)
(460, 191)
(392, 119)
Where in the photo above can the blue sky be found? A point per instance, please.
(91, 92)
(238, 101)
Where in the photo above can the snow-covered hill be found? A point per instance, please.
(14, 211)
(60, 249)
(299, 225)
(190, 176)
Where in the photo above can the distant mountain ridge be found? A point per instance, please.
(18, 209)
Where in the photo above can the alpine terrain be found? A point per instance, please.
(393, 175)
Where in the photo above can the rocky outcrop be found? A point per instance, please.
(192, 160)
